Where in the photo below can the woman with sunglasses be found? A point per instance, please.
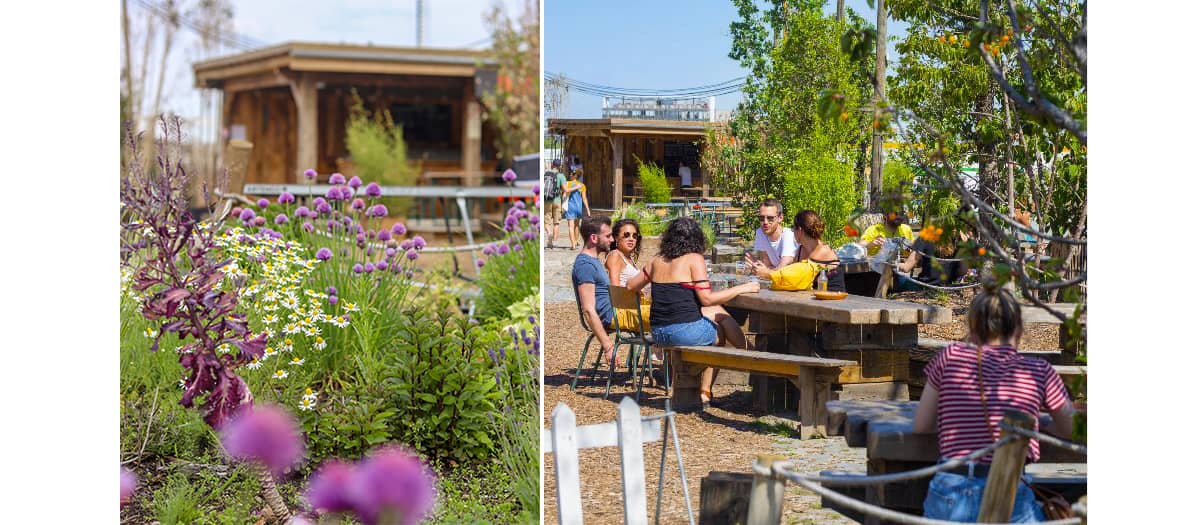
(622, 263)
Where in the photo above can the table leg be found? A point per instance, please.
(886, 280)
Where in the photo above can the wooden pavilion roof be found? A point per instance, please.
(265, 67)
(603, 127)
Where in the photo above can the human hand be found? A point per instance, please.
(751, 287)
(879, 241)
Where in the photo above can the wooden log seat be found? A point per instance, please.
(814, 377)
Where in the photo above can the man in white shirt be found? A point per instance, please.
(685, 175)
(775, 247)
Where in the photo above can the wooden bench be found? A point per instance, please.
(928, 347)
(813, 376)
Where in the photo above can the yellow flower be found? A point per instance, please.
(280, 374)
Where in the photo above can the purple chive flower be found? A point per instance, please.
(127, 483)
(399, 229)
(392, 480)
(313, 215)
(264, 434)
(308, 227)
(310, 174)
(480, 263)
(317, 201)
(258, 221)
(517, 248)
(503, 249)
(510, 221)
(323, 207)
(323, 254)
(528, 236)
(373, 190)
(331, 290)
(519, 205)
(281, 219)
(407, 244)
(355, 182)
(419, 242)
(235, 212)
(509, 175)
(332, 299)
(369, 267)
(487, 250)
(534, 220)
(384, 235)
(302, 211)
(286, 198)
(390, 252)
(333, 194)
(358, 204)
(360, 238)
(263, 203)
(536, 189)
(336, 178)
(378, 211)
(382, 266)
(357, 268)
(345, 193)
(247, 215)
(328, 488)
(411, 254)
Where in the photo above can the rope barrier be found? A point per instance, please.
(425, 249)
(937, 287)
(1045, 438)
(925, 472)
(778, 471)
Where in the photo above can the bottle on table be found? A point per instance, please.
(823, 280)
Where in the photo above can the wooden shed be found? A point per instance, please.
(291, 102)
(609, 147)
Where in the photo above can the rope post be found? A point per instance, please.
(766, 494)
(1006, 468)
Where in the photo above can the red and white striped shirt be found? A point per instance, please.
(1010, 381)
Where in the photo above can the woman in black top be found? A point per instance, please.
(685, 311)
(809, 231)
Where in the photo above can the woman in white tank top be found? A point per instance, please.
(621, 262)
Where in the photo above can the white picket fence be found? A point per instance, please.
(629, 432)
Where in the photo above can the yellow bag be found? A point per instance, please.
(627, 320)
(795, 276)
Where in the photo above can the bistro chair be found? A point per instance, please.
(586, 348)
(632, 330)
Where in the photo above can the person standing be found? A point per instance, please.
(592, 284)
(554, 180)
(685, 173)
(573, 193)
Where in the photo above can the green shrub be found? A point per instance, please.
(651, 225)
(815, 182)
(655, 184)
(378, 151)
(507, 278)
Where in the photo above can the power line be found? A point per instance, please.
(719, 88)
(229, 38)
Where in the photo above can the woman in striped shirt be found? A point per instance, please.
(968, 388)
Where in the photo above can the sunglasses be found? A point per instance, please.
(768, 218)
(629, 235)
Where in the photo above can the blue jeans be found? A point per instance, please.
(701, 332)
(954, 497)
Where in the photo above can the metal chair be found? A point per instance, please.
(586, 347)
(639, 364)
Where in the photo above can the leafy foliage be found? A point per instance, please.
(655, 184)
(378, 149)
(512, 268)
(513, 108)
(651, 225)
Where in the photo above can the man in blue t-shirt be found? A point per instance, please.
(591, 282)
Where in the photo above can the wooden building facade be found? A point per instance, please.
(291, 102)
(609, 149)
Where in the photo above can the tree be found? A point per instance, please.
(513, 107)
(783, 147)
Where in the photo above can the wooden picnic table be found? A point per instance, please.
(876, 334)
(885, 430)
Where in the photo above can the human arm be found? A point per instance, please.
(1057, 402)
(636, 283)
(614, 267)
(760, 268)
(926, 416)
(910, 262)
(586, 299)
(700, 278)
(873, 236)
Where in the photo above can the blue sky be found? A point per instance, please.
(651, 44)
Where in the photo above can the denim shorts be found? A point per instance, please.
(701, 332)
(955, 497)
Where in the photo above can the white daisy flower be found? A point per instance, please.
(255, 364)
(319, 344)
(351, 307)
(151, 333)
(297, 361)
(279, 374)
(306, 404)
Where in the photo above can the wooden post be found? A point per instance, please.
(616, 146)
(766, 495)
(565, 465)
(725, 497)
(472, 128)
(306, 155)
(883, 284)
(1004, 476)
(630, 431)
(815, 389)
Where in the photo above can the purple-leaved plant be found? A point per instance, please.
(179, 273)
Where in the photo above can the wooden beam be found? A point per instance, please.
(469, 153)
(616, 146)
(307, 155)
(270, 79)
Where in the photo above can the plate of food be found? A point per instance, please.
(829, 296)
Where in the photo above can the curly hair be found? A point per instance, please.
(810, 223)
(683, 236)
(618, 226)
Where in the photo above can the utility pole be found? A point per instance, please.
(840, 12)
(420, 18)
(878, 95)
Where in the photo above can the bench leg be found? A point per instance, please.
(813, 412)
(686, 383)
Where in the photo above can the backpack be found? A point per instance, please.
(551, 189)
